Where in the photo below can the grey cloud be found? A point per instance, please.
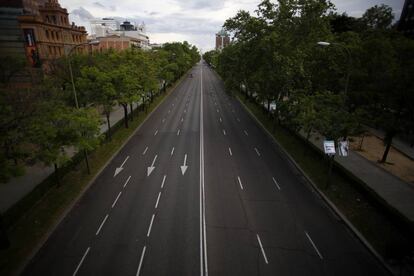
(201, 4)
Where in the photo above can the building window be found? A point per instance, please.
(47, 19)
(54, 19)
(47, 34)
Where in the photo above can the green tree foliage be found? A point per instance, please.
(275, 57)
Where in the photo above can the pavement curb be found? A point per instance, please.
(328, 202)
(43, 240)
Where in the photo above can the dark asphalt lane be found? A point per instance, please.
(261, 217)
(106, 231)
(298, 234)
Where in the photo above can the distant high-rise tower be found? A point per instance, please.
(222, 40)
(406, 23)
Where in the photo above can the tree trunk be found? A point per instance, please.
(108, 133)
(57, 174)
(131, 107)
(85, 154)
(388, 142)
(125, 106)
(361, 142)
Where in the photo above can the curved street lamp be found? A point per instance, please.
(93, 42)
(348, 73)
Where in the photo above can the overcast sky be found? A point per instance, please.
(196, 21)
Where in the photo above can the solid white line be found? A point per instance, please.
(150, 226)
(245, 132)
(313, 244)
(261, 247)
(145, 151)
(231, 154)
(257, 151)
(172, 151)
(277, 184)
(126, 182)
(102, 223)
(81, 261)
(178, 132)
(163, 181)
(224, 132)
(241, 186)
(203, 236)
(140, 260)
(116, 199)
(158, 199)
(221, 120)
(156, 132)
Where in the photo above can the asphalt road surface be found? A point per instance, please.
(200, 189)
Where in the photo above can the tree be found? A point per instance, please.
(98, 85)
(378, 17)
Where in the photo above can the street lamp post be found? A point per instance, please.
(93, 42)
(348, 73)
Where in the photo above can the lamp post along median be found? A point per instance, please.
(93, 42)
(349, 62)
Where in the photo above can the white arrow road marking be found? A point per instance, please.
(140, 260)
(151, 168)
(261, 247)
(314, 246)
(257, 151)
(277, 184)
(145, 151)
(184, 166)
(81, 261)
(241, 186)
(120, 168)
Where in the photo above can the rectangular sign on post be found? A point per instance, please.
(329, 147)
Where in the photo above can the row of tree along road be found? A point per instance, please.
(324, 72)
(40, 123)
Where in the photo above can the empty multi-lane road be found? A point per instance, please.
(201, 189)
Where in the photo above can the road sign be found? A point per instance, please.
(329, 147)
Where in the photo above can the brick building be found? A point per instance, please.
(45, 31)
(222, 40)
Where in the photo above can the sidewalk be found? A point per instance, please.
(397, 143)
(395, 192)
(17, 188)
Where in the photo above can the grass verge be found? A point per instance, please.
(381, 231)
(26, 233)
